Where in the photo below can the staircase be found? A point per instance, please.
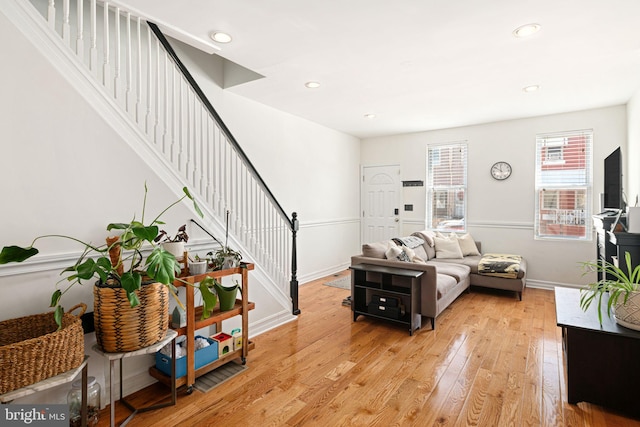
(132, 65)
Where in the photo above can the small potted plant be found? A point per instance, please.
(622, 291)
(175, 244)
(225, 257)
(197, 266)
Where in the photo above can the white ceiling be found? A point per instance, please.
(417, 64)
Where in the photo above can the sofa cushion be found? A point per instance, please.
(469, 261)
(447, 247)
(376, 250)
(457, 271)
(467, 245)
(445, 284)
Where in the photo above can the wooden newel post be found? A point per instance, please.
(294, 265)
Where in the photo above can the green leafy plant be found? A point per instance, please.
(620, 286)
(225, 252)
(107, 262)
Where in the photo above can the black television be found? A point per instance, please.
(613, 181)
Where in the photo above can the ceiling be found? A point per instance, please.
(417, 64)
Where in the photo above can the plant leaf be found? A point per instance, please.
(131, 282)
(195, 205)
(162, 266)
(57, 315)
(146, 233)
(133, 299)
(117, 226)
(103, 268)
(86, 269)
(55, 298)
(16, 254)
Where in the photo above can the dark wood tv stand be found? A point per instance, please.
(363, 287)
(601, 361)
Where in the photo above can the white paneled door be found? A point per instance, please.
(380, 203)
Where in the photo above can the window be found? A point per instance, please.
(564, 185)
(447, 186)
(554, 150)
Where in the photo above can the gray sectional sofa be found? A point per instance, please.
(448, 274)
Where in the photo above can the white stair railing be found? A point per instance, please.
(151, 85)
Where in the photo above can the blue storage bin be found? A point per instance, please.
(202, 357)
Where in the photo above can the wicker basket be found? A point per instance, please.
(120, 328)
(32, 348)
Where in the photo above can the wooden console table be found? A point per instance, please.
(600, 360)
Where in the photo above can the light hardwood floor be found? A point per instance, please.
(492, 361)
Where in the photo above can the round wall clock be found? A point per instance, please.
(501, 170)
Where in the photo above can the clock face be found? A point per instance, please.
(501, 170)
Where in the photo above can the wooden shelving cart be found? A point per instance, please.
(194, 323)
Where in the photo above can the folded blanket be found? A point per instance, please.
(409, 241)
(500, 265)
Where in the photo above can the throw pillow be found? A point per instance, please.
(447, 248)
(420, 252)
(426, 235)
(413, 256)
(394, 252)
(468, 245)
(375, 250)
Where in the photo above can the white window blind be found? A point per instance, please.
(564, 185)
(447, 186)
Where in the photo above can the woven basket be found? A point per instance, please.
(33, 349)
(120, 328)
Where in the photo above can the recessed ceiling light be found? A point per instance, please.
(532, 88)
(312, 85)
(370, 116)
(220, 37)
(526, 30)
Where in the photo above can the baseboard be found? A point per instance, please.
(319, 274)
(271, 322)
(542, 284)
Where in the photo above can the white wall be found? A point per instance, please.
(500, 213)
(631, 169)
(66, 170)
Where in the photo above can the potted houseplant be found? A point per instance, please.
(225, 257)
(175, 244)
(120, 272)
(197, 265)
(623, 291)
